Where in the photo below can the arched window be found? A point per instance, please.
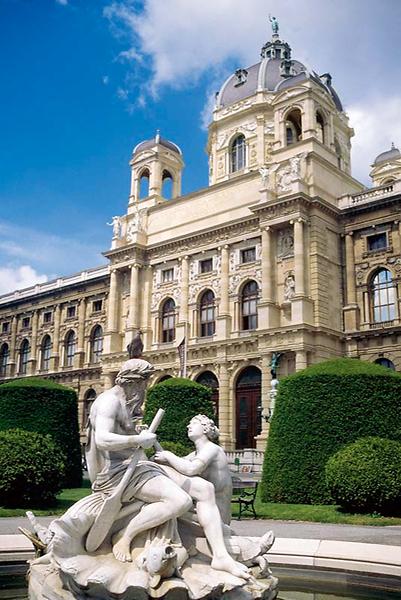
(382, 296)
(238, 154)
(70, 347)
(23, 357)
(207, 314)
(4, 357)
(293, 127)
(96, 344)
(320, 125)
(144, 184)
(167, 185)
(164, 378)
(45, 353)
(168, 320)
(89, 398)
(385, 362)
(249, 309)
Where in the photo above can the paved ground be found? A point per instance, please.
(282, 529)
(319, 531)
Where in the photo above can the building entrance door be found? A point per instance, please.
(248, 408)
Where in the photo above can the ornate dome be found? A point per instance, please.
(275, 72)
(157, 140)
(389, 155)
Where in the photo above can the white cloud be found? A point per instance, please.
(376, 123)
(47, 254)
(12, 278)
(180, 40)
(105, 79)
(62, 2)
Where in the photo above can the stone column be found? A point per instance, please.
(79, 357)
(147, 273)
(308, 119)
(268, 311)
(13, 351)
(301, 360)
(224, 318)
(134, 298)
(301, 305)
(350, 268)
(55, 357)
(260, 131)
(112, 342)
(351, 310)
(183, 314)
(34, 342)
(299, 257)
(224, 408)
(267, 266)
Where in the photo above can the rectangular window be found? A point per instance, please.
(25, 322)
(5, 328)
(47, 317)
(71, 311)
(248, 255)
(206, 265)
(377, 242)
(97, 305)
(167, 275)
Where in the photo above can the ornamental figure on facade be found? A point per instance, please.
(149, 527)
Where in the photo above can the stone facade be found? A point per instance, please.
(275, 256)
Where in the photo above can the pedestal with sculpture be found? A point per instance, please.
(150, 528)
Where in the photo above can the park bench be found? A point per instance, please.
(244, 495)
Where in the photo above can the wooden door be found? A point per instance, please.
(248, 416)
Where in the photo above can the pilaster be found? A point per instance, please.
(31, 367)
(13, 355)
(79, 357)
(55, 357)
(268, 311)
(351, 310)
(301, 305)
(112, 341)
(223, 325)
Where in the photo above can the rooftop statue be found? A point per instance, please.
(274, 24)
(137, 534)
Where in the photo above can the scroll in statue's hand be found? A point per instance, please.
(146, 439)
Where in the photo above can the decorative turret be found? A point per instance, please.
(386, 167)
(154, 163)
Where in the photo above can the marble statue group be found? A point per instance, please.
(155, 527)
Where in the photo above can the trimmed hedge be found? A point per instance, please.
(318, 411)
(366, 475)
(31, 469)
(48, 408)
(182, 399)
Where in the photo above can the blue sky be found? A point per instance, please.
(83, 81)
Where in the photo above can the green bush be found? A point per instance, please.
(174, 447)
(366, 476)
(31, 469)
(318, 411)
(48, 408)
(182, 399)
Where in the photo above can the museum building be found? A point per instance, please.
(284, 254)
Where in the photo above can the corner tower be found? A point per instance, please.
(275, 110)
